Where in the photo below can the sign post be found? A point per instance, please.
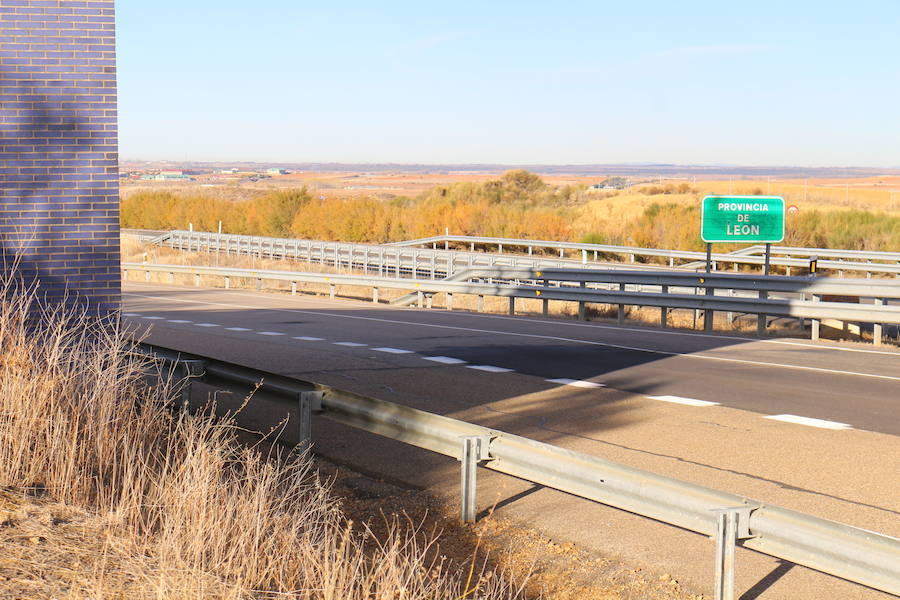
(735, 219)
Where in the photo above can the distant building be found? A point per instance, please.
(230, 171)
(613, 183)
(276, 171)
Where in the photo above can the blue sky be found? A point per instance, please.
(751, 83)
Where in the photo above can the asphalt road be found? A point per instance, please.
(855, 386)
(693, 406)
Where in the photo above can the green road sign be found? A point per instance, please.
(742, 219)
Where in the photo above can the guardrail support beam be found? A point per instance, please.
(726, 538)
(480, 303)
(545, 307)
(332, 290)
(449, 300)
(308, 403)
(475, 449)
(375, 295)
(621, 312)
(293, 288)
(877, 329)
(732, 524)
(815, 324)
(192, 369)
(512, 305)
(664, 311)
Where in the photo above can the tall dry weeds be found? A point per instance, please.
(200, 514)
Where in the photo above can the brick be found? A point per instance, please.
(58, 145)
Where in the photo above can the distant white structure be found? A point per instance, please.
(276, 171)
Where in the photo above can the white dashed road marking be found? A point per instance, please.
(821, 423)
(393, 350)
(685, 401)
(131, 314)
(207, 324)
(269, 333)
(178, 321)
(153, 318)
(350, 344)
(444, 360)
(307, 338)
(576, 383)
(237, 329)
(489, 368)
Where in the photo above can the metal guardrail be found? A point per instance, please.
(382, 259)
(878, 313)
(699, 258)
(854, 554)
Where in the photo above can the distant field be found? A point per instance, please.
(861, 213)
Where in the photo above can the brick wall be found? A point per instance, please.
(59, 195)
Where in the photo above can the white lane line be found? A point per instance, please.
(489, 368)
(350, 344)
(131, 314)
(207, 324)
(308, 338)
(575, 383)
(269, 333)
(393, 350)
(237, 329)
(557, 323)
(688, 355)
(445, 360)
(153, 318)
(178, 321)
(809, 421)
(685, 401)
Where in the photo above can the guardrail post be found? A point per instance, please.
(309, 402)
(663, 310)
(449, 300)
(259, 284)
(480, 303)
(375, 295)
(512, 305)
(762, 321)
(709, 315)
(878, 330)
(196, 280)
(621, 315)
(499, 248)
(171, 277)
(227, 282)
(475, 449)
(545, 307)
(332, 290)
(192, 369)
(429, 298)
(732, 524)
(814, 324)
(293, 288)
(726, 538)
(583, 257)
(147, 275)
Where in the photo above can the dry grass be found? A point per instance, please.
(110, 494)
